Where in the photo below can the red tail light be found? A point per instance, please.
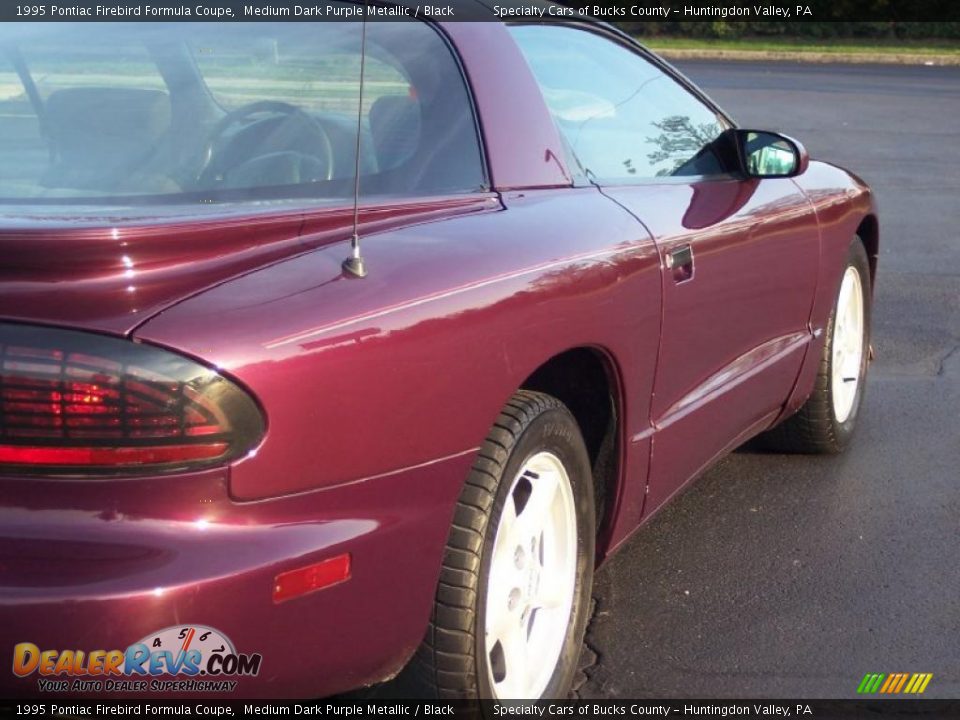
(78, 403)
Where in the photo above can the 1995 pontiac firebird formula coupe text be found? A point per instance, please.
(243, 449)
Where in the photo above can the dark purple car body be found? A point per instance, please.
(376, 393)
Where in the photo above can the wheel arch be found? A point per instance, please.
(869, 233)
(587, 380)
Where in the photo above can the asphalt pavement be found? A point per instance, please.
(778, 576)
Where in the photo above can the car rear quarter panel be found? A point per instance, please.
(362, 378)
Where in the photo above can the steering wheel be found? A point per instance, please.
(286, 146)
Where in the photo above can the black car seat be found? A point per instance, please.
(421, 151)
(103, 139)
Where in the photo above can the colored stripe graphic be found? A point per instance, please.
(918, 683)
(894, 683)
(895, 679)
(870, 683)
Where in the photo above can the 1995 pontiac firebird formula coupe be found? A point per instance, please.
(331, 350)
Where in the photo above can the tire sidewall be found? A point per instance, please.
(553, 431)
(857, 259)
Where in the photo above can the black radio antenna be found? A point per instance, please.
(354, 264)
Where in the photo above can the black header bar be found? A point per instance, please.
(55, 705)
(482, 10)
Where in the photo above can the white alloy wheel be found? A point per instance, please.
(825, 423)
(514, 589)
(848, 329)
(532, 580)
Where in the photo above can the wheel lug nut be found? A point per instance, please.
(519, 557)
(514, 599)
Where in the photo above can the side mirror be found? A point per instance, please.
(770, 155)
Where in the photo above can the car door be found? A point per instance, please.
(738, 255)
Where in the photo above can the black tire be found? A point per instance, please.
(815, 429)
(451, 662)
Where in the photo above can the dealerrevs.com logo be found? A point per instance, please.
(200, 658)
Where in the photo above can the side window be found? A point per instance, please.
(621, 116)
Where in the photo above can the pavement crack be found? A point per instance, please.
(589, 658)
(946, 359)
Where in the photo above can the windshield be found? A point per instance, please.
(206, 113)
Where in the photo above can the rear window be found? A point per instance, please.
(201, 113)
(23, 153)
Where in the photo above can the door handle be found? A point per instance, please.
(680, 263)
